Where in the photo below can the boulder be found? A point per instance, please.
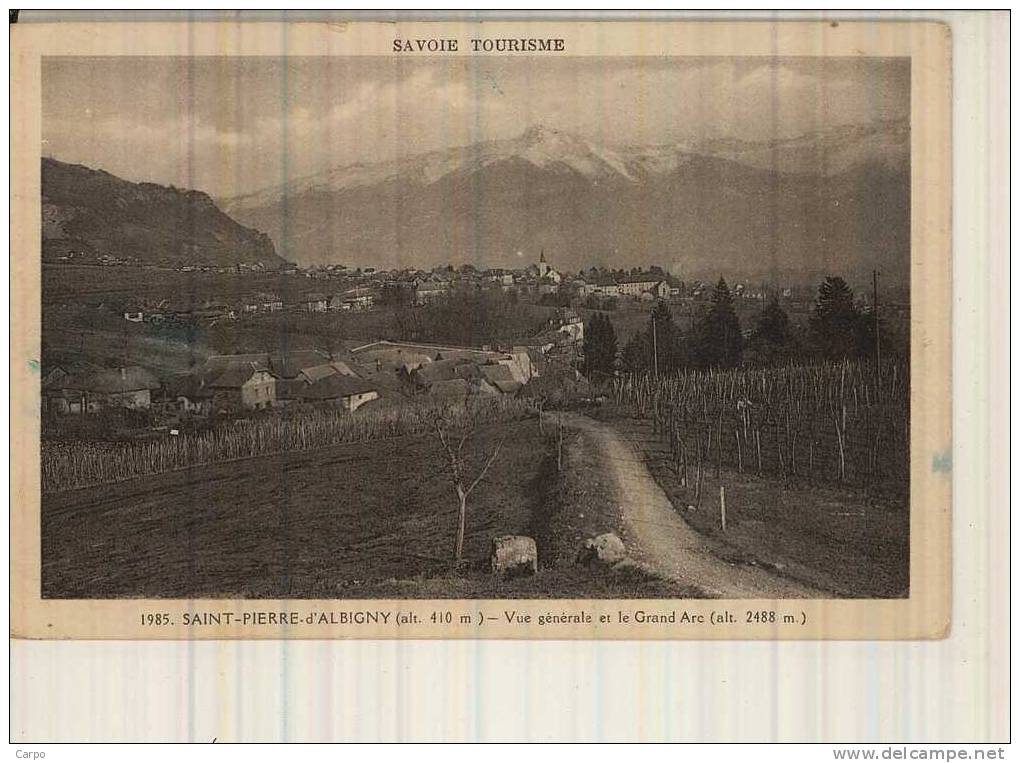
(605, 549)
(514, 556)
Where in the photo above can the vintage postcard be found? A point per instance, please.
(602, 330)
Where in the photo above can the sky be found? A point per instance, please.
(230, 126)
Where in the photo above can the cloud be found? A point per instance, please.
(235, 125)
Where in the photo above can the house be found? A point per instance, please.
(312, 374)
(501, 378)
(429, 290)
(452, 390)
(573, 329)
(58, 395)
(661, 290)
(53, 376)
(634, 285)
(444, 370)
(134, 313)
(187, 394)
(315, 303)
(289, 365)
(602, 285)
(346, 392)
(128, 387)
(242, 385)
(282, 365)
(519, 361)
(357, 299)
(270, 303)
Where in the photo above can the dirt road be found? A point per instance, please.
(664, 543)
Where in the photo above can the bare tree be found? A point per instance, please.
(458, 466)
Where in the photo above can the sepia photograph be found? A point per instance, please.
(375, 327)
(563, 376)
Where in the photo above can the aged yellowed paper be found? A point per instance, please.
(621, 330)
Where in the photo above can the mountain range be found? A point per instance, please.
(833, 201)
(92, 213)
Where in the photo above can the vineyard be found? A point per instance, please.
(73, 465)
(845, 423)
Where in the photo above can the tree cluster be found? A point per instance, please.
(840, 328)
(718, 341)
(600, 347)
(469, 317)
(660, 347)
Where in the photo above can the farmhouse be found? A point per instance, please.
(312, 374)
(501, 378)
(244, 385)
(347, 392)
(428, 374)
(186, 394)
(315, 303)
(289, 365)
(129, 387)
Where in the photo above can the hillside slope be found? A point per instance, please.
(90, 212)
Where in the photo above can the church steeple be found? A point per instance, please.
(541, 257)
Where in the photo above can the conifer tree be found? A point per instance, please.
(718, 342)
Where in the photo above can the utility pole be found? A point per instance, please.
(878, 340)
(655, 347)
(874, 299)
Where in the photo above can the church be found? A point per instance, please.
(545, 270)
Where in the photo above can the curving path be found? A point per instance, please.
(665, 543)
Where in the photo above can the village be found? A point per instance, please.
(366, 371)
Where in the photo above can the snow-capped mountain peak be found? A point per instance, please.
(546, 147)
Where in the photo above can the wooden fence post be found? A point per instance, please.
(722, 506)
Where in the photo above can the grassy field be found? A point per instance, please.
(352, 521)
(838, 539)
(78, 333)
(68, 284)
